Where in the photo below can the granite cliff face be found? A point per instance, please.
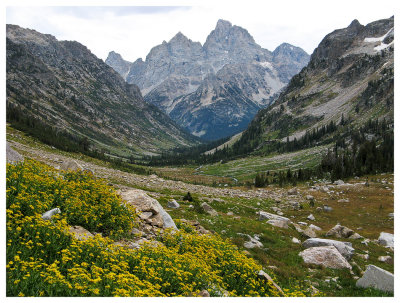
(63, 85)
(194, 83)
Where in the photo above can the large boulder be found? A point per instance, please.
(146, 204)
(345, 248)
(340, 231)
(327, 256)
(12, 156)
(377, 278)
(263, 215)
(386, 239)
(71, 165)
(208, 209)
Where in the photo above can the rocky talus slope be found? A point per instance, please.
(62, 85)
(350, 76)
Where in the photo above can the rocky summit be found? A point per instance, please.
(215, 89)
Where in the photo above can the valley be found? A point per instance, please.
(366, 210)
(220, 169)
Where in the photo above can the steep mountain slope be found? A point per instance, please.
(349, 80)
(61, 84)
(176, 75)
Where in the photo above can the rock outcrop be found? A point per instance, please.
(345, 248)
(151, 209)
(327, 256)
(377, 278)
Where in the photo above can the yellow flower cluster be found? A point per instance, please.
(43, 259)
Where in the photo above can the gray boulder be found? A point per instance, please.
(345, 248)
(268, 216)
(311, 217)
(253, 242)
(48, 214)
(208, 209)
(386, 239)
(292, 191)
(327, 256)
(327, 208)
(173, 204)
(377, 278)
(340, 231)
(12, 156)
(146, 204)
(279, 223)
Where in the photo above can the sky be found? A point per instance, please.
(132, 28)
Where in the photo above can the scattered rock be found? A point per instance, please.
(230, 213)
(70, 165)
(324, 189)
(253, 242)
(292, 191)
(310, 198)
(386, 239)
(344, 201)
(345, 248)
(340, 231)
(311, 217)
(339, 182)
(327, 208)
(204, 293)
(264, 275)
(309, 233)
(312, 226)
(48, 214)
(13, 156)
(173, 204)
(319, 209)
(268, 216)
(363, 256)
(377, 278)
(208, 209)
(327, 256)
(295, 205)
(80, 233)
(302, 223)
(385, 259)
(279, 223)
(355, 236)
(295, 240)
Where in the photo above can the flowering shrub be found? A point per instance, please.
(44, 259)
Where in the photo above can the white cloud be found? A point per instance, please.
(133, 31)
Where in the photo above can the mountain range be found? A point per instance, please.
(215, 89)
(64, 88)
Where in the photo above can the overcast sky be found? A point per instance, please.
(133, 30)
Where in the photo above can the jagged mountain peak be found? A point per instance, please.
(355, 24)
(223, 25)
(179, 37)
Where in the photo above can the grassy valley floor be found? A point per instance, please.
(366, 212)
